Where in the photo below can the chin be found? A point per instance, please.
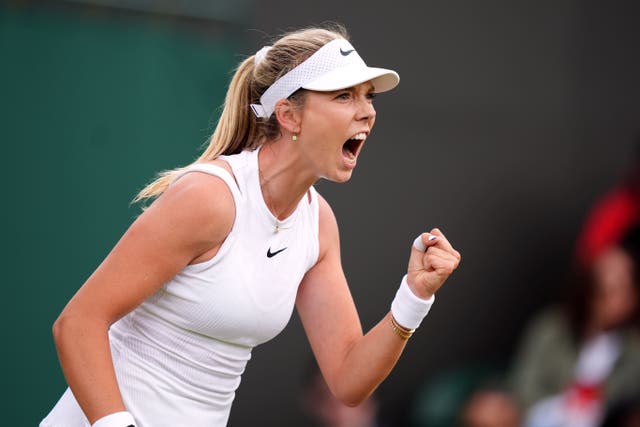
(344, 179)
(340, 177)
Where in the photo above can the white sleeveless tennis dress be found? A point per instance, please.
(179, 356)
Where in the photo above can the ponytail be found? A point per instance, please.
(235, 129)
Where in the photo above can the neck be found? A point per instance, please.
(284, 180)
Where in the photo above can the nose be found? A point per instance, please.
(366, 111)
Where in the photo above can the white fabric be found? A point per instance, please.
(597, 357)
(336, 65)
(571, 408)
(180, 355)
(407, 308)
(261, 54)
(566, 409)
(417, 243)
(117, 419)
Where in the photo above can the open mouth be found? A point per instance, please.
(351, 148)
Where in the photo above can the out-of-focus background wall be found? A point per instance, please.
(511, 118)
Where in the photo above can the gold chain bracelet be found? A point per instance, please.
(401, 331)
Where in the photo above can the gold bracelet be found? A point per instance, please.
(400, 330)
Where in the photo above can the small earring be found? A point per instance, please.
(294, 137)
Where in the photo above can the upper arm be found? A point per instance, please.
(193, 216)
(324, 301)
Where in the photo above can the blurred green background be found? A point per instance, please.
(92, 107)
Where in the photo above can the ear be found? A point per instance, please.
(288, 116)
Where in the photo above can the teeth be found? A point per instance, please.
(360, 135)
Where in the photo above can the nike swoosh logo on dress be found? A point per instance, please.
(272, 254)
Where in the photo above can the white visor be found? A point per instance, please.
(335, 66)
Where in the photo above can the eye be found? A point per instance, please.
(343, 95)
(371, 95)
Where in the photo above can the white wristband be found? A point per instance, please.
(407, 308)
(117, 419)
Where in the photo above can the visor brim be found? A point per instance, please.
(345, 77)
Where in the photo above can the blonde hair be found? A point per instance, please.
(238, 128)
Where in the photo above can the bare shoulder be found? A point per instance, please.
(327, 217)
(198, 203)
(328, 233)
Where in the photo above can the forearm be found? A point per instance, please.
(368, 362)
(85, 356)
(370, 359)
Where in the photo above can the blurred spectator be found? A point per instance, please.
(612, 215)
(324, 410)
(578, 364)
(440, 401)
(580, 359)
(490, 408)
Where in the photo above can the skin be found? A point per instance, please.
(199, 210)
(491, 408)
(615, 297)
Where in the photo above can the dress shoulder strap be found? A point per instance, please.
(214, 170)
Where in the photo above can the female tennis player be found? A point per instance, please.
(160, 333)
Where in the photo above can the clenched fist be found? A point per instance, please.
(430, 268)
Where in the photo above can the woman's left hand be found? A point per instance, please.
(428, 270)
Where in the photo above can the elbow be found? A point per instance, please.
(351, 391)
(353, 398)
(69, 329)
(59, 329)
(352, 403)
